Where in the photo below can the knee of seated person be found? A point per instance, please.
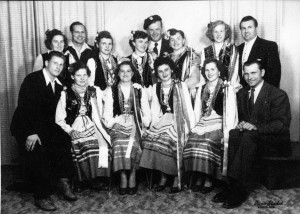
(234, 132)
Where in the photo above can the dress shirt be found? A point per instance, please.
(247, 49)
(257, 90)
(48, 80)
(152, 45)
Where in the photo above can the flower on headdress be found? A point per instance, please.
(209, 24)
(151, 18)
(122, 59)
(137, 86)
(115, 54)
(167, 35)
(131, 35)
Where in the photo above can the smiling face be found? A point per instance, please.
(164, 72)
(125, 73)
(78, 34)
(219, 33)
(177, 41)
(80, 77)
(141, 45)
(105, 46)
(58, 43)
(248, 30)
(211, 72)
(253, 75)
(54, 66)
(155, 31)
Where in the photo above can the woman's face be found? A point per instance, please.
(164, 72)
(105, 46)
(81, 77)
(125, 73)
(219, 33)
(211, 72)
(141, 45)
(58, 43)
(176, 41)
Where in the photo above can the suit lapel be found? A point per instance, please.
(254, 50)
(260, 98)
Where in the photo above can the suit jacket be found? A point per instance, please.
(36, 108)
(271, 113)
(165, 47)
(267, 52)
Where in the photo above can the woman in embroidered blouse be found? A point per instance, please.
(172, 118)
(104, 63)
(225, 52)
(78, 112)
(187, 62)
(204, 149)
(141, 60)
(126, 112)
(55, 40)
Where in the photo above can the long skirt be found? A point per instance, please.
(160, 146)
(85, 154)
(203, 151)
(120, 140)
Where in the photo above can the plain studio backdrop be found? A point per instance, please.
(23, 24)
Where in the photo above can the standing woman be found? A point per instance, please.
(203, 151)
(103, 65)
(55, 40)
(141, 60)
(126, 111)
(225, 52)
(172, 119)
(79, 112)
(187, 62)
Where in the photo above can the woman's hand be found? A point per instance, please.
(74, 134)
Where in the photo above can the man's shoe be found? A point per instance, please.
(221, 196)
(45, 204)
(66, 190)
(159, 188)
(235, 200)
(122, 191)
(206, 190)
(132, 190)
(197, 188)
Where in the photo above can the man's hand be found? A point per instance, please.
(31, 141)
(246, 126)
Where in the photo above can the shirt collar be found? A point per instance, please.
(47, 78)
(84, 46)
(258, 87)
(251, 42)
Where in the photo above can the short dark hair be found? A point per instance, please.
(77, 66)
(137, 35)
(57, 54)
(173, 31)
(251, 62)
(211, 26)
(164, 61)
(219, 65)
(50, 35)
(101, 35)
(249, 18)
(76, 23)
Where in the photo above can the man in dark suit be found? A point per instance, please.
(44, 147)
(264, 115)
(257, 48)
(153, 25)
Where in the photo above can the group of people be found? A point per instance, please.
(85, 113)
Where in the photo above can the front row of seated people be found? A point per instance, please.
(117, 130)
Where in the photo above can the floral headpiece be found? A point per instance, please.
(122, 59)
(95, 41)
(209, 24)
(167, 35)
(131, 35)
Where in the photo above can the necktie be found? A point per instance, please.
(251, 101)
(155, 50)
(51, 87)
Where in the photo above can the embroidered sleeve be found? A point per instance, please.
(61, 113)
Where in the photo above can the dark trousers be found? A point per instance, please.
(47, 162)
(245, 150)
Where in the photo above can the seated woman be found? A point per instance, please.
(172, 119)
(186, 61)
(141, 60)
(225, 52)
(204, 149)
(79, 112)
(55, 40)
(126, 112)
(104, 63)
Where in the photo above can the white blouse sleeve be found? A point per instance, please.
(61, 113)
(189, 106)
(235, 80)
(155, 106)
(38, 64)
(92, 66)
(100, 95)
(146, 113)
(108, 118)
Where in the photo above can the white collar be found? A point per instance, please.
(258, 87)
(47, 78)
(158, 42)
(84, 46)
(251, 42)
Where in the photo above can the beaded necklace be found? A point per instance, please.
(223, 52)
(109, 72)
(164, 100)
(125, 104)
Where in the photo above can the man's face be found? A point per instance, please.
(248, 30)
(253, 75)
(78, 34)
(54, 66)
(154, 31)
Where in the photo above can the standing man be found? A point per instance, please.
(153, 25)
(263, 130)
(44, 146)
(261, 49)
(78, 49)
